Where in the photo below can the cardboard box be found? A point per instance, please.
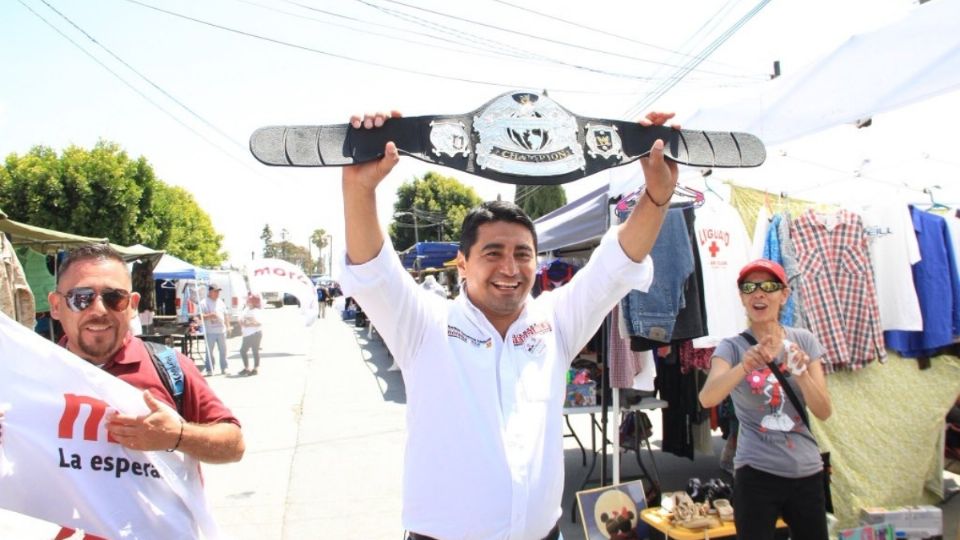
(915, 521)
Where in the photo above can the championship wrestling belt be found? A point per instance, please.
(517, 138)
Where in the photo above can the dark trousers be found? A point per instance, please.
(759, 498)
(251, 342)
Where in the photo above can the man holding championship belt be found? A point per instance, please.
(485, 372)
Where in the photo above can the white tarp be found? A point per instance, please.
(279, 275)
(907, 62)
(56, 463)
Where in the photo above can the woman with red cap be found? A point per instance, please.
(779, 471)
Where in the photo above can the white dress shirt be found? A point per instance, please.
(484, 449)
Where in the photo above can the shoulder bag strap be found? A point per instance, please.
(168, 368)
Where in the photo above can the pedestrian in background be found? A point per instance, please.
(322, 296)
(215, 327)
(252, 334)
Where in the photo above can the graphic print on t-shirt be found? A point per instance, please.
(764, 382)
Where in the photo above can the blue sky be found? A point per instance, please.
(51, 93)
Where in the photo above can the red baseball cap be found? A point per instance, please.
(763, 265)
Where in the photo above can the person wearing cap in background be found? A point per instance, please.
(214, 313)
(779, 472)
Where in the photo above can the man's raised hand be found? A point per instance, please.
(370, 174)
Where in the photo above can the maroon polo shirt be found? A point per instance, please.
(200, 404)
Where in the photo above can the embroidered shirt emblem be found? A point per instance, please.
(532, 330)
(454, 332)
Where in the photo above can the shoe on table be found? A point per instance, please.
(253, 371)
(243, 372)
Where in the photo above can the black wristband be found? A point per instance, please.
(179, 438)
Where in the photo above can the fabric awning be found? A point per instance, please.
(907, 62)
(579, 224)
(43, 240)
(171, 267)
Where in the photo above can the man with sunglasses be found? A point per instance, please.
(94, 303)
(779, 471)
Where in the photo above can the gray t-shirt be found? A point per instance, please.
(772, 437)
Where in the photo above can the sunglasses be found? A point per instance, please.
(768, 286)
(81, 298)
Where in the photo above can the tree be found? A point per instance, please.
(539, 201)
(439, 204)
(104, 193)
(187, 231)
(268, 246)
(295, 255)
(320, 238)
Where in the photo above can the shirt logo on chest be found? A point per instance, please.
(535, 344)
(454, 332)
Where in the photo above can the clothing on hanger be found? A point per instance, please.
(832, 250)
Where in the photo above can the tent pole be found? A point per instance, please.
(203, 328)
(605, 383)
(56, 281)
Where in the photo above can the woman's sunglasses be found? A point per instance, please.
(748, 287)
(81, 298)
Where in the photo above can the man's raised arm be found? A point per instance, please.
(363, 234)
(638, 234)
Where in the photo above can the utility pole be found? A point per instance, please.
(416, 225)
(416, 228)
(329, 267)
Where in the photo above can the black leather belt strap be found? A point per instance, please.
(517, 138)
(554, 534)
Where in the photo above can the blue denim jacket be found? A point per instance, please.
(653, 314)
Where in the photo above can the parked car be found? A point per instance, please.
(234, 295)
(274, 298)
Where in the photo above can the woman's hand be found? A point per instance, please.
(758, 356)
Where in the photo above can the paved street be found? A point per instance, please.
(324, 425)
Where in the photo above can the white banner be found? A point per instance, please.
(57, 464)
(277, 275)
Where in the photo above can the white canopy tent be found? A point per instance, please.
(171, 267)
(907, 62)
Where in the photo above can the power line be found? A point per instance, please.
(665, 86)
(496, 44)
(145, 78)
(352, 59)
(132, 87)
(365, 23)
(611, 34)
(477, 45)
(539, 38)
(473, 41)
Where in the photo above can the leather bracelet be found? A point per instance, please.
(179, 438)
(655, 203)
